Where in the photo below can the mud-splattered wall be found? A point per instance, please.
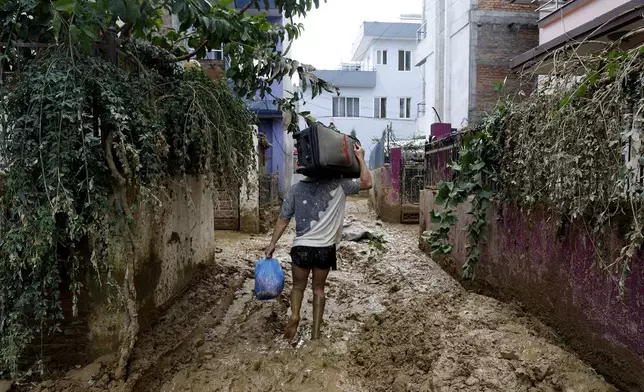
(173, 241)
(558, 277)
(384, 196)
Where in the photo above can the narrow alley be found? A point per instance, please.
(394, 322)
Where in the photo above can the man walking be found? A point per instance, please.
(318, 208)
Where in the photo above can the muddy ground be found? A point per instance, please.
(394, 321)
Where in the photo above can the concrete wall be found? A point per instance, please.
(249, 196)
(173, 241)
(558, 278)
(467, 51)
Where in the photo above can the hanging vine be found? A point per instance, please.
(88, 145)
(572, 148)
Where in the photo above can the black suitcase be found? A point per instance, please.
(326, 153)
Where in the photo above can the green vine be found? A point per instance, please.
(572, 148)
(475, 173)
(86, 146)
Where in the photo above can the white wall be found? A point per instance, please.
(446, 51)
(459, 78)
(392, 83)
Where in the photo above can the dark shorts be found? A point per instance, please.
(309, 257)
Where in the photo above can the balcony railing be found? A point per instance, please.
(421, 33)
(548, 6)
(355, 66)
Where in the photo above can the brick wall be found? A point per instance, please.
(496, 45)
(505, 5)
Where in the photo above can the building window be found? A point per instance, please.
(381, 57)
(346, 107)
(405, 107)
(380, 107)
(404, 60)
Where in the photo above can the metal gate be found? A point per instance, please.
(412, 182)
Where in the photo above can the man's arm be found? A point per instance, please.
(365, 174)
(280, 226)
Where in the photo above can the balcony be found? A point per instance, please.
(362, 78)
(355, 66)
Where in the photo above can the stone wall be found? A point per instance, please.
(556, 276)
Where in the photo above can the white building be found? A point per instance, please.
(463, 54)
(381, 87)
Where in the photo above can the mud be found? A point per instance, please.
(394, 321)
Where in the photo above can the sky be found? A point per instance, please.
(330, 30)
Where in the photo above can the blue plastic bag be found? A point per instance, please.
(269, 279)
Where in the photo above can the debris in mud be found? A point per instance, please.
(463, 342)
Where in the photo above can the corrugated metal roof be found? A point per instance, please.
(340, 78)
(390, 29)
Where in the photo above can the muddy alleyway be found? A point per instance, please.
(394, 321)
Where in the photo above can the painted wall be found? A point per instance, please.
(558, 278)
(575, 17)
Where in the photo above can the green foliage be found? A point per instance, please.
(572, 148)
(57, 208)
(475, 172)
(65, 108)
(252, 43)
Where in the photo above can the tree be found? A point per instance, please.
(137, 120)
(353, 133)
(249, 41)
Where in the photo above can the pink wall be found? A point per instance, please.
(559, 279)
(576, 16)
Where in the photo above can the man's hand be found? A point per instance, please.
(359, 151)
(270, 249)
